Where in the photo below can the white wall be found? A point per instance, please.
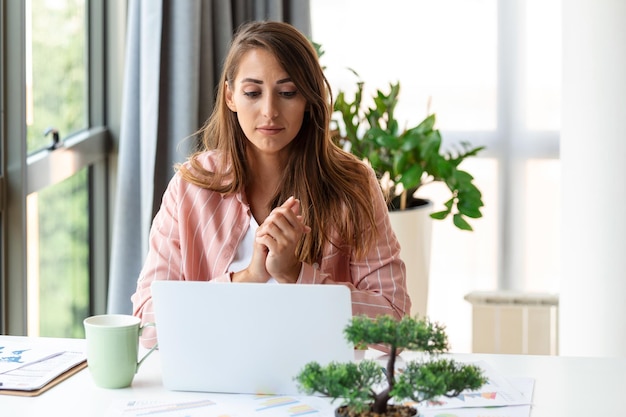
(593, 157)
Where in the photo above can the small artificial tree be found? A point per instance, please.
(357, 383)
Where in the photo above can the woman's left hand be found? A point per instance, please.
(280, 233)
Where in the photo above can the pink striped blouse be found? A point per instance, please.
(195, 236)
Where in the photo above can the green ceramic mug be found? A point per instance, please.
(112, 348)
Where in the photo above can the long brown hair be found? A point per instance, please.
(333, 186)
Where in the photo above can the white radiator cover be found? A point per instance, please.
(514, 322)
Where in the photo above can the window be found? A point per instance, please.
(57, 221)
(490, 70)
(55, 215)
(56, 69)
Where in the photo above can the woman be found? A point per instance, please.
(270, 197)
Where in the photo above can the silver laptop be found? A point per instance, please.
(247, 338)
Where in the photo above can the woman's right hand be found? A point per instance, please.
(255, 272)
(280, 233)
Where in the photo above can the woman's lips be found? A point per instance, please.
(269, 130)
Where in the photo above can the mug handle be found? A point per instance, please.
(152, 349)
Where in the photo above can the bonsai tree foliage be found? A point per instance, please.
(356, 383)
(405, 159)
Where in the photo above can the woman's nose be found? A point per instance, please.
(270, 109)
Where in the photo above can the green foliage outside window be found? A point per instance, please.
(58, 90)
(64, 257)
(59, 84)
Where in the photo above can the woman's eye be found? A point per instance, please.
(288, 94)
(251, 94)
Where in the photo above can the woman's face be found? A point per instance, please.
(269, 107)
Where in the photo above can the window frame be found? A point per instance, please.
(93, 148)
(510, 143)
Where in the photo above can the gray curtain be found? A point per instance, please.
(173, 60)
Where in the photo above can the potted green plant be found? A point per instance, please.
(405, 159)
(366, 387)
(408, 158)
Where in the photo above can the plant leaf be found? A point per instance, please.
(440, 215)
(411, 177)
(460, 222)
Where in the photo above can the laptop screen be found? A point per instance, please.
(246, 337)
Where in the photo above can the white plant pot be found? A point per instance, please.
(413, 228)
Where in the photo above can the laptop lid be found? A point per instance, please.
(245, 337)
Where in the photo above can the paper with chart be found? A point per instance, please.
(497, 392)
(524, 385)
(27, 366)
(500, 397)
(224, 405)
(235, 405)
(15, 355)
(510, 411)
(35, 375)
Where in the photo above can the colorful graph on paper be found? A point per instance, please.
(512, 411)
(16, 355)
(498, 392)
(224, 405)
(292, 406)
(515, 411)
(501, 397)
(524, 385)
(154, 408)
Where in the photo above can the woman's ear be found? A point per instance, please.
(229, 97)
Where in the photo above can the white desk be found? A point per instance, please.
(564, 387)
